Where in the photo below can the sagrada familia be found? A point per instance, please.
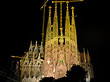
(59, 53)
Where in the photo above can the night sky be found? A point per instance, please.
(21, 22)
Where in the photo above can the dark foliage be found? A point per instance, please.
(76, 74)
(47, 79)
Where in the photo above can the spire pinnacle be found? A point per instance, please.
(55, 22)
(41, 43)
(73, 26)
(41, 48)
(67, 22)
(30, 48)
(36, 42)
(61, 37)
(67, 5)
(55, 5)
(84, 55)
(84, 50)
(88, 57)
(72, 11)
(48, 32)
(61, 29)
(50, 10)
(31, 42)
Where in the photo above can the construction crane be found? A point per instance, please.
(21, 65)
(45, 2)
(23, 58)
(43, 23)
(62, 1)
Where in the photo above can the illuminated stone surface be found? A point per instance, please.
(60, 50)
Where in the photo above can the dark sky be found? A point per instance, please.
(21, 22)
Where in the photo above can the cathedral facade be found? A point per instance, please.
(60, 49)
(59, 53)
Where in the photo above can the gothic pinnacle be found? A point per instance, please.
(72, 10)
(67, 4)
(50, 10)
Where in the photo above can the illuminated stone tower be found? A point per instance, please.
(60, 49)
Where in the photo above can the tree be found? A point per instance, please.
(50, 79)
(76, 74)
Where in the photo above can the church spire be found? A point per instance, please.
(36, 50)
(84, 55)
(36, 47)
(73, 27)
(88, 57)
(55, 22)
(30, 48)
(67, 22)
(48, 33)
(41, 48)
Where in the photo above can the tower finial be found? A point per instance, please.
(72, 11)
(67, 4)
(50, 10)
(61, 29)
(36, 41)
(61, 37)
(30, 48)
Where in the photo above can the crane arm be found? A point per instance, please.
(20, 57)
(45, 2)
(17, 57)
(68, 1)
